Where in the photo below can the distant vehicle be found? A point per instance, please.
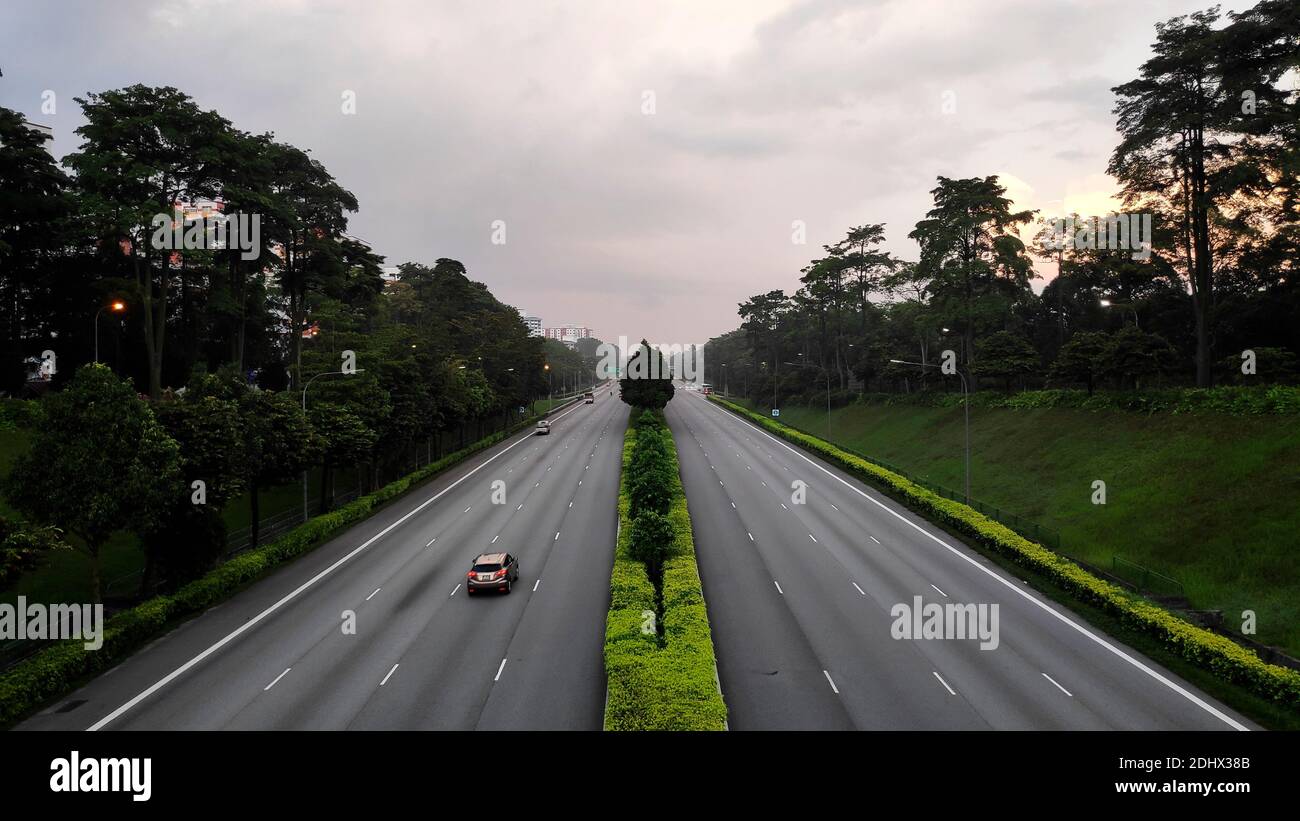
(587, 398)
(706, 388)
(493, 571)
(543, 428)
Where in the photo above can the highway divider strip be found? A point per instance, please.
(654, 683)
(1217, 654)
(61, 667)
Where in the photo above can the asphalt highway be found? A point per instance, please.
(801, 593)
(801, 602)
(424, 655)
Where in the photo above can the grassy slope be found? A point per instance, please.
(1209, 499)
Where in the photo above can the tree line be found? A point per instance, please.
(1209, 148)
(228, 344)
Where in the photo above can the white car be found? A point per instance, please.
(543, 428)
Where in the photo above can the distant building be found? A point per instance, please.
(390, 274)
(568, 334)
(43, 130)
(534, 323)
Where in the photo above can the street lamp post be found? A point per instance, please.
(828, 391)
(117, 306)
(965, 401)
(773, 383)
(724, 379)
(304, 410)
(1123, 306)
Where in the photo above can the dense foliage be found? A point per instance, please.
(260, 360)
(1209, 148)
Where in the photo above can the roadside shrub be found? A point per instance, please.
(23, 545)
(650, 490)
(652, 541)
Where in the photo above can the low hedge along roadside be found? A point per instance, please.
(673, 687)
(1219, 654)
(50, 673)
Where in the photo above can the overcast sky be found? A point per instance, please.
(653, 225)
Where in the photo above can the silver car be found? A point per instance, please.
(543, 428)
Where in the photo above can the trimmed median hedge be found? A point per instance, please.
(52, 672)
(1219, 654)
(654, 683)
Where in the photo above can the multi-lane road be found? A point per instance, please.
(800, 597)
(373, 630)
(423, 655)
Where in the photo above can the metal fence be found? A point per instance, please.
(1146, 580)
(240, 540)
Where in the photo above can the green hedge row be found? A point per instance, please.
(1231, 399)
(53, 671)
(1219, 654)
(653, 687)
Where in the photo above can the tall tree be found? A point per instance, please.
(647, 384)
(100, 463)
(279, 445)
(308, 220)
(145, 150)
(33, 196)
(1177, 151)
(971, 253)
